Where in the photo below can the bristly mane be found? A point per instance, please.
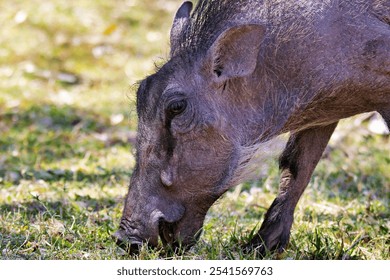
(209, 19)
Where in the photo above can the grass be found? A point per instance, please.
(67, 125)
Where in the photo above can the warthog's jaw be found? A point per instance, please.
(167, 232)
(170, 237)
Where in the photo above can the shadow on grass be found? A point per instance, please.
(54, 125)
(62, 208)
(46, 133)
(64, 175)
(12, 240)
(51, 117)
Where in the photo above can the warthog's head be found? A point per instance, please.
(192, 119)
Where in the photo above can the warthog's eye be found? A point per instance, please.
(176, 108)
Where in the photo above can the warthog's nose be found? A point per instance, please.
(132, 247)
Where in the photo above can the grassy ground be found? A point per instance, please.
(67, 125)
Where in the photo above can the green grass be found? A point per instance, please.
(67, 124)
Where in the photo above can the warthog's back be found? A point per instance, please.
(287, 19)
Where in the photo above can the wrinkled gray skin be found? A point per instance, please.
(241, 73)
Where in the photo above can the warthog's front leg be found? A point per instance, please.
(297, 163)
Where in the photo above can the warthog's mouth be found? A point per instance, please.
(170, 237)
(167, 232)
(132, 244)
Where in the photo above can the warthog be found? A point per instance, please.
(241, 73)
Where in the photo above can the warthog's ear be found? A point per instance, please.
(234, 53)
(181, 18)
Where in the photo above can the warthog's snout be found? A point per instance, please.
(130, 245)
